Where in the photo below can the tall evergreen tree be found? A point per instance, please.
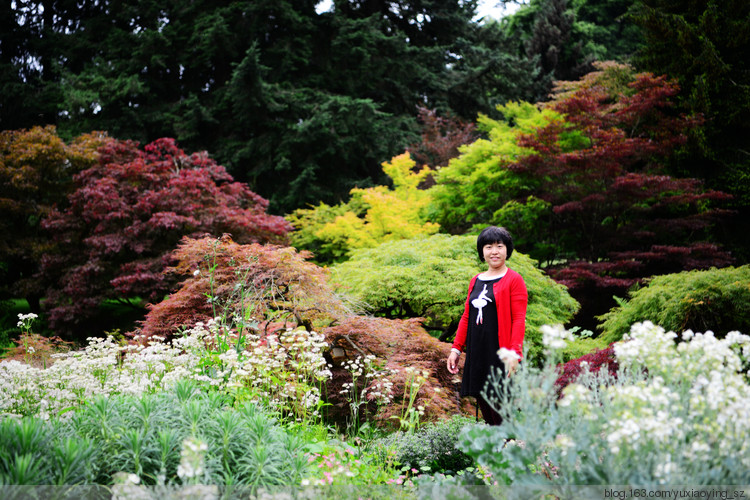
(302, 105)
(704, 44)
(564, 37)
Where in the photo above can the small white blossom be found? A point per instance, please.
(555, 337)
(507, 355)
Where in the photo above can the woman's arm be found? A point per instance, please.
(519, 300)
(460, 341)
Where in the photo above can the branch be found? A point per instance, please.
(353, 345)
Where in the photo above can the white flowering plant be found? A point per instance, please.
(284, 371)
(676, 412)
(370, 383)
(411, 415)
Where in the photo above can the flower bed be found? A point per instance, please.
(676, 411)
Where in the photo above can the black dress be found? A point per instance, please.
(481, 339)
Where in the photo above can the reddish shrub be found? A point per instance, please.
(127, 213)
(261, 281)
(398, 344)
(601, 358)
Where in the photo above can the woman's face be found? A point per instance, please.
(495, 255)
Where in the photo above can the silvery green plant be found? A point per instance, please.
(173, 438)
(677, 412)
(34, 451)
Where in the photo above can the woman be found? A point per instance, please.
(494, 317)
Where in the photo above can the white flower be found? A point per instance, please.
(574, 393)
(507, 355)
(555, 337)
(564, 442)
(192, 458)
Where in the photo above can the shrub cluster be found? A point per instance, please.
(430, 449)
(716, 299)
(283, 371)
(591, 362)
(177, 437)
(676, 413)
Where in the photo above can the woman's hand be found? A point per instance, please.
(511, 365)
(453, 362)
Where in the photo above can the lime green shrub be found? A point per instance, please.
(429, 278)
(477, 184)
(371, 216)
(581, 346)
(716, 300)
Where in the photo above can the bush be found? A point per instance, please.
(283, 371)
(581, 346)
(372, 215)
(178, 437)
(429, 278)
(718, 299)
(33, 452)
(432, 448)
(250, 285)
(125, 216)
(676, 413)
(591, 362)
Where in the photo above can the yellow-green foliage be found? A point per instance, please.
(716, 300)
(372, 215)
(474, 185)
(429, 277)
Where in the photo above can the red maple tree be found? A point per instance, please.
(441, 138)
(616, 216)
(128, 212)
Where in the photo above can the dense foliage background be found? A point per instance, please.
(301, 105)
(369, 122)
(235, 240)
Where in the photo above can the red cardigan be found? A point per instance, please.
(511, 300)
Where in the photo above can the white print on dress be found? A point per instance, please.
(481, 301)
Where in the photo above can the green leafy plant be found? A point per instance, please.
(716, 299)
(33, 451)
(430, 449)
(429, 277)
(338, 463)
(175, 437)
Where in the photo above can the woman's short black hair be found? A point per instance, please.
(494, 234)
